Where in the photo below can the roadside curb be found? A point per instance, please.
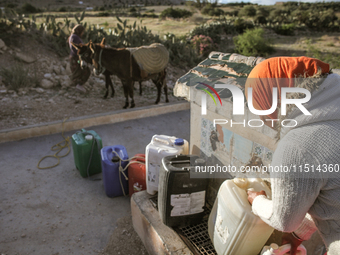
(16, 134)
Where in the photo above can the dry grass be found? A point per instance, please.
(157, 26)
(160, 8)
(327, 43)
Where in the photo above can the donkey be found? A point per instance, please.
(120, 62)
(84, 57)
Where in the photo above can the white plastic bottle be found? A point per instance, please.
(160, 147)
(233, 228)
(274, 249)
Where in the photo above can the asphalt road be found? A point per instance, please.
(56, 211)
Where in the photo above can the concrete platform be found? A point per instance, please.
(156, 237)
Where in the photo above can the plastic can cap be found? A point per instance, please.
(179, 142)
(88, 137)
(274, 246)
(115, 159)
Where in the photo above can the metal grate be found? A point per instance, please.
(196, 237)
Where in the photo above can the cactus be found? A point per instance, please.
(124, 35)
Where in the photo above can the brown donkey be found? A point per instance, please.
(84, 54)
(120, 62)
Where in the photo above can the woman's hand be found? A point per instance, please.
(288, 238)
(253, 194)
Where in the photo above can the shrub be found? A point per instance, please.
(285, 29)
(206, 9)
(103, 14)
(202, 44)
(252, 43)
(132, 9)
(231, 13)
(262, 11)
(278, 15)
(248, 11)
(16, 77)
(180, 52)
(211, 11)
(259, 19)
(28, 8)
(175, 13)
(62, 9)
(241, 25)
(151, 15)
(214, 30)
(11, 5)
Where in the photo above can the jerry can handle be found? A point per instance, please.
(83, 130)
(186, 161)
(160, 140)
(167, 140)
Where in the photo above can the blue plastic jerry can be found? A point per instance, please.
(114, 178)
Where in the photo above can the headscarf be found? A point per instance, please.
(267, 75)
(78, 29)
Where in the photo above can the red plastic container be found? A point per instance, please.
(137, 174)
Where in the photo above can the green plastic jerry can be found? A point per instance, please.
(86, 150)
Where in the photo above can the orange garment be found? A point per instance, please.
(269, 73)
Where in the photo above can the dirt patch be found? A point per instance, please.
(125, 240)
(34, 106)
(59, 99)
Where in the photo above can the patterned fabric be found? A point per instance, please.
(151, 59)
(79, 76)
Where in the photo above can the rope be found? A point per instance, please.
(94, 140)
(121, 169)
(61, 145)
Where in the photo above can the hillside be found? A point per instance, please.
(55, 4)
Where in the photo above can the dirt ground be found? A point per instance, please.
(35, 105)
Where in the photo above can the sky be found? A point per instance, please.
(269, 2)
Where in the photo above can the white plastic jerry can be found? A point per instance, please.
(233, 228)
(160, 147)
(274, 249)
